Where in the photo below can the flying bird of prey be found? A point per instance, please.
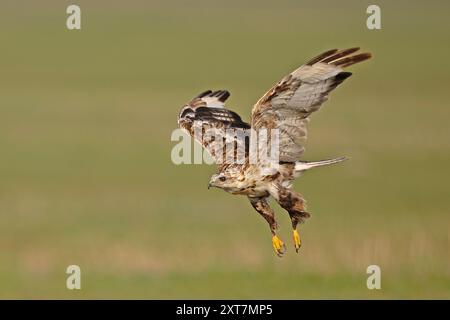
(287, 108)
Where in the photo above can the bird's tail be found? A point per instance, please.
(301, 166)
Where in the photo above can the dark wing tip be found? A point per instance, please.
(341, 76)
(221, 95)
(204, 93)
(338, 79)
(340, 58)
(348, 61)
(321, 56)
(340, 54)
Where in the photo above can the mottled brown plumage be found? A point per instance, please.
(285, 108)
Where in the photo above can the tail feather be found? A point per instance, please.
(306, 165)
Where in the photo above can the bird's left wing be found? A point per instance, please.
(221, 131)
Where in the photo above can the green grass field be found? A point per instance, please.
(86, 176)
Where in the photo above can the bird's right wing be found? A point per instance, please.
(288, 105)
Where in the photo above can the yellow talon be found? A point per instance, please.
(278, 245)
(297, 240)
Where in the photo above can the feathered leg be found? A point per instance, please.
(293, 203)
(263, 208)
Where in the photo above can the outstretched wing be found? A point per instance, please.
(221, 131)
(289, 103)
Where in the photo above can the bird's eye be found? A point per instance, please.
(222, 179)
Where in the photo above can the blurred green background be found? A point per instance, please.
(86, 176)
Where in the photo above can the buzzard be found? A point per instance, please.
(285, 110)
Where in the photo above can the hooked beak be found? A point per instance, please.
(209, 185)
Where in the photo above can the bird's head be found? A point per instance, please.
(220, 180)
